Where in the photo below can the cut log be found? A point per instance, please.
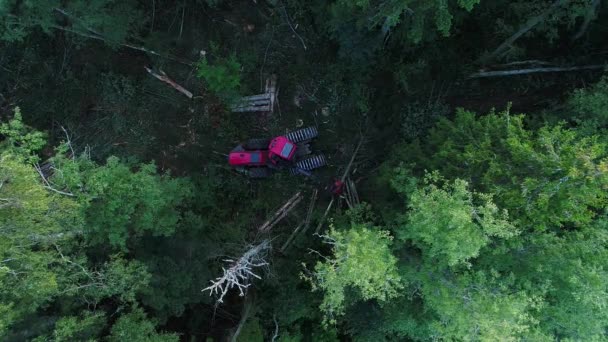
(320, 225)
(281, 213)
(498, 73)
(162, 76)
(304, 225)
(291, 237)
(261, 102)
(264, 108)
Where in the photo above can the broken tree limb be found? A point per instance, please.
(311, 208)
(281, 213)
(292, 236)
(292, 28)
(331, 203)
(499, 73)
(589, 16)
(162, 76)
(352, 159)
(530, 24)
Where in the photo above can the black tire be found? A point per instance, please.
(259, 172)
(302, 134)
(256, 144)
(310, 163)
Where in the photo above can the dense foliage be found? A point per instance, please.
(481, 202)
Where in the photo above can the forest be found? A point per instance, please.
(461, 192)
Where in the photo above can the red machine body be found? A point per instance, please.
(260, 158)
(248, 158)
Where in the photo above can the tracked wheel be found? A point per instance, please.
(303, 134)
(259, 172)
(310, 163)
(256, 144)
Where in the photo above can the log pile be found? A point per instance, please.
(259, 103)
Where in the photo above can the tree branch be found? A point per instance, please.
(48, 185)
(130, 46)
(530, 24)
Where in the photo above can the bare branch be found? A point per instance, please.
(276, 328)
(292, 28)
(240, 273)
(69, 142)
(48, 185)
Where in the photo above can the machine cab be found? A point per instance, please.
(281, 147)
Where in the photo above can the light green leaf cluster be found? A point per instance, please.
(124, 204)
(447, 224)
(478, 307)
(42, 254)
(21, 139)
(589, 106)
(136, 327)
(85, 328)
(29, 216)
(361, 261)
(550, 177)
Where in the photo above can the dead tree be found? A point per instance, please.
(240, 273)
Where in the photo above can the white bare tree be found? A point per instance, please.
(240, 273)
